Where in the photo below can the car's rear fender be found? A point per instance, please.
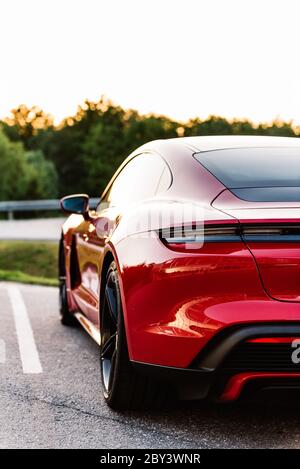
(174, 302)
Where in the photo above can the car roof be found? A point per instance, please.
(221, 142)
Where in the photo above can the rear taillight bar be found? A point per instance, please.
(190, 234)
(273, 340)
(217, 233)
(271, 233)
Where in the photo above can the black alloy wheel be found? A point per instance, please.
(109, 330)
(123, 387)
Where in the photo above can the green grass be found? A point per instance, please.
(29, 262)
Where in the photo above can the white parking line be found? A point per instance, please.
(28, 351)
(2, 352)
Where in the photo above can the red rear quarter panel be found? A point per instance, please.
(174, 303)
(278, 263)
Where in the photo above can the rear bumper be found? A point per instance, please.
(204, 378)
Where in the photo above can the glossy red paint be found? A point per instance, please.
(175, 301)
(278, 263)
(236, 383)
(186, 299)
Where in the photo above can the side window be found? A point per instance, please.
(138, 180)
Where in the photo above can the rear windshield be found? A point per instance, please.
(250, 168)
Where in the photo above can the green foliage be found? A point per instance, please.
(18, 256)
(212, 126)
(41, 176)
(84, 151)
(27, 122)
(142, 129)
(11, 131)
(24, 175)
(17, 276)
(102, 152)
(13, 170)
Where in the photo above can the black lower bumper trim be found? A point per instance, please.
(188, 384)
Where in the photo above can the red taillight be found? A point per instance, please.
(277, 232)
(196, 235)
(273, 340)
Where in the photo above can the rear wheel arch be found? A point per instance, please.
(67, 317)
(62, 269)
(110, 257)
(67, 260)
(123, 387)
(70, 264)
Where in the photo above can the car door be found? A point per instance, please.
(136, 181)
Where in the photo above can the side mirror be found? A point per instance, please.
(77, 203)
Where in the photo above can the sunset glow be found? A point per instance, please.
(181, 59)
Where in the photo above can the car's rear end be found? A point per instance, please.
(263, 195)
(215, 308)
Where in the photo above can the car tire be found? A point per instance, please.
(123, 387)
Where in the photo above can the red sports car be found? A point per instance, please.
(187, 274)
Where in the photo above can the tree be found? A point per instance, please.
(41, 175)
(277, 128)
(28, 122)
(142, 129)
(63, 147)
(86, 149)
(24, 175)
(13, 175)
(102, 152)
(214, 125)
(112, 137)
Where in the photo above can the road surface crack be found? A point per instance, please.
(52, 402)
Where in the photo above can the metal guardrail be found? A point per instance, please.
(34, 205)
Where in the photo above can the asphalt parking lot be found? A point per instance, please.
(50, 394)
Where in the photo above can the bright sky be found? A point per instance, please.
(182, 58)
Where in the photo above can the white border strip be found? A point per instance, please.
(28, 350)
